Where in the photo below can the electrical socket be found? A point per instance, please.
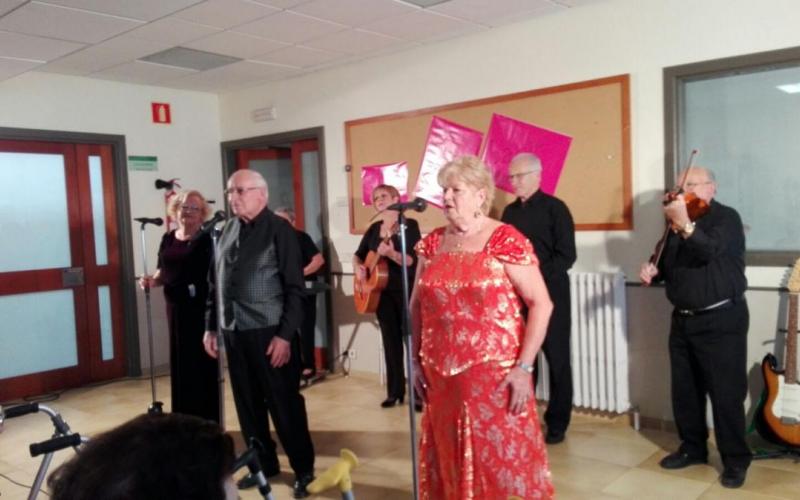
(352, 354)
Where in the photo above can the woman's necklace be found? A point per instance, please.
(463, 236)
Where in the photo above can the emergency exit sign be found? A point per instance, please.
(161, 113)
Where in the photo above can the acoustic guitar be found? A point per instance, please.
(781, 410)
(367, 293)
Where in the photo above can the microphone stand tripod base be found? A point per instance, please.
(156, 408)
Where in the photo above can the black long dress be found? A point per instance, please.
(184, 273)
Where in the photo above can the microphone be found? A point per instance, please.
(162, 184)
(157, 221)
(208, 225)
(417, 204)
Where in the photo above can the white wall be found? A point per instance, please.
(188, 148)
(639, 37)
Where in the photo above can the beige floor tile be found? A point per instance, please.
(603, 458)
(646, 485)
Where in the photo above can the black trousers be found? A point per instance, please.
(260, 390)
(307, 331)
(556, 348)
(390, 319)
(708, 356)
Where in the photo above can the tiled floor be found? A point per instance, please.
(601, 458)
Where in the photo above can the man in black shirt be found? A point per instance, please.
(258, 268)
(312, 262)
(702, 265)
(547, 222)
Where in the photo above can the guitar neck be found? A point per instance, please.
(791, 341)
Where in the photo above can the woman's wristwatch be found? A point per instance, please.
(525, 366)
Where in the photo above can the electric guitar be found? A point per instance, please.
(781, 411)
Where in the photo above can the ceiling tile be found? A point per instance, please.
(142, 72)
(354, 42)
(225, 13)
(289, 27)
(8, 5)
(354, 12)
(281, 4)
(143, 10)
(235, 44)
(172, 31)
(34, 47)
(237, 75)
(65, 24)
(422, 25)
(297, 55)
(106, 55)
(497, 12)
(12, 67)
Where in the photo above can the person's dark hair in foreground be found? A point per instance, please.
(166, 456)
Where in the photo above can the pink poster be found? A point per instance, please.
(446, 141)
(507, 137)
(393, 174)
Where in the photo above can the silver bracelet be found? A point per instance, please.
(525, 366)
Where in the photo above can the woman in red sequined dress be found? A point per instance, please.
(474, 349)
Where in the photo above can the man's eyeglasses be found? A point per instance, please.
(189, 208)
(695, 184)
(520, 175)
(240, 190)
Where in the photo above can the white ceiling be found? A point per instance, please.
(275, 39)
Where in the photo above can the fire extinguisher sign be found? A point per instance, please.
(161, 113)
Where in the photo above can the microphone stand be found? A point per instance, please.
(156, 407)
(215, 233)
(401, 220)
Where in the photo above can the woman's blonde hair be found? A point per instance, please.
(471, 170)
(393, 192)
(179, 199)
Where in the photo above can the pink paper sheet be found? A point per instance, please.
(393, 174)
(507, 137)
(446, 141)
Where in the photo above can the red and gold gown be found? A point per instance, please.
(471, 446)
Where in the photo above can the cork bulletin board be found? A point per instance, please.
(595, 182)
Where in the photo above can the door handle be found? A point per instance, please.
(72, 276)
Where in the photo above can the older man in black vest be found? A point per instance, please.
(259, 273)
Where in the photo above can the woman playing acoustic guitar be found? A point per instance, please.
(381, 243)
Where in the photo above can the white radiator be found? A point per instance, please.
(599, 344)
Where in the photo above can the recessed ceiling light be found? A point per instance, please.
(425, 3)
(182, 57)
(791, 88)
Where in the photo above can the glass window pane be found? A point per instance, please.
(37, 342)
(312, 202)
(745, 127)
(39, 223)
(279, 176)
(106, 329)
(98, 210)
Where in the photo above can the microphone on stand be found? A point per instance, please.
(417, 204)
(208, 225)
(156, 221)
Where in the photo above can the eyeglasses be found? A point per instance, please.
(240, 190)
(513, 177)
(189, 208)
(695, 184)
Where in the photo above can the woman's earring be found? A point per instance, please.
(478, 213)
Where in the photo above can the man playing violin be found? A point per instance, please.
(702, 265)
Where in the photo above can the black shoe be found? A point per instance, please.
(679, 460)
(418, 406)
(554, 437)
(733, 477)
(301, 482)
(390, 402)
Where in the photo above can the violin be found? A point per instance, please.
(696, 208)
